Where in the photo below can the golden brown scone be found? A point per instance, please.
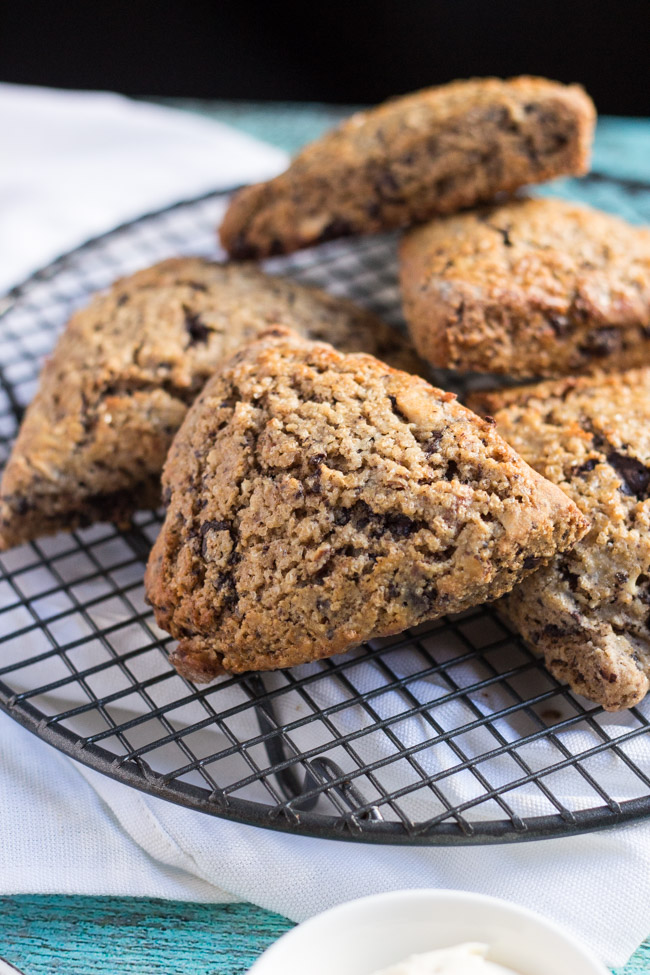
(124, 371)
(431, 152)
(316, 500)
(536, 287)
(588, 611)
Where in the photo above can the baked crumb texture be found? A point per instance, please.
(317, 499)
(432, 152)
(535, 287)
(588, 610)
(116, 389)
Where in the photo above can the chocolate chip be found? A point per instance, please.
(552, 629)
(225, 584)
(214, 526)
(584, 468)
(336, 228)
(634, 475)
(571, 578)
(197, 330)
(452, 470)
(531, 561)
(601, 342)
(316, 460)
(396, 410)
(363, 514)
(608, 676)
(432, 445)
(505, 234)
(419, 600)
(400, 525)
(560, 324)
(242, 250)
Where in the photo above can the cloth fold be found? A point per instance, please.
(80, 163)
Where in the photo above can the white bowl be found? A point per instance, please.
(362, 936)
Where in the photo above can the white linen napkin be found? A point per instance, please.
(67, 829)
(73, 164)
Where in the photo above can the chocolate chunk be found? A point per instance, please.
(336, 228)
(584, 468)
(197, 330)
(634, 475)
(531, 561)
(242, 250)
(400, 525)
(505, 234)
(560, 324)
(432, 445)
(452, 470)
(601, 342)
(396, 410)
(571, 578)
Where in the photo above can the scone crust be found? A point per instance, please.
(588, 610)
(117, 387)
(534, 287)
(316, 500)
(431, 152)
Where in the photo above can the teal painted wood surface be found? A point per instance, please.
(131, 936)
(113, 936)
(45, 935)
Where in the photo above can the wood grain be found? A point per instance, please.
(125, 936)
(132, 936)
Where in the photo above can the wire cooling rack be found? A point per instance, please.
(451, 733)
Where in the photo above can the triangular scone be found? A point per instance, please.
(588, 610)
(94, 440)
(534, 287)
(316, 500)
(431, 152)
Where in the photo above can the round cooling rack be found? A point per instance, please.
(451, 733)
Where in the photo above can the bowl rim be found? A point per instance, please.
(348, 908)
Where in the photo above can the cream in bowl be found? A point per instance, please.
(385, 933)
(470, 958)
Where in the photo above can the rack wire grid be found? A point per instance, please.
(451, 733)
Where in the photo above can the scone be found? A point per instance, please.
(94, 440)
(588, 610)
(431, 152)
(317, 499)
(535, 287)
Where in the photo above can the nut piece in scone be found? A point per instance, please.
(534, 287)
(316, 500)
(427, 153)
(116, 389)
(588, 610)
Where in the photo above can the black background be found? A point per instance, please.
(346, 52)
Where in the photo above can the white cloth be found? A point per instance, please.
(69, 830)
(73, 164)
